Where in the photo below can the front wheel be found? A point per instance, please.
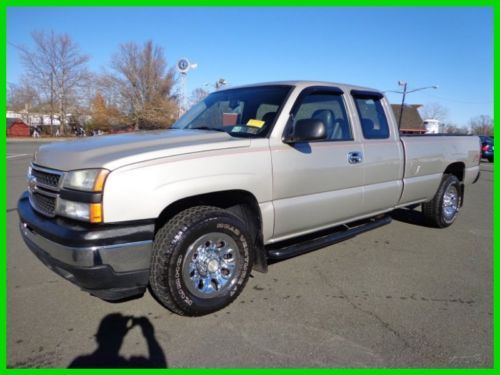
(443, 209)
(201, 260)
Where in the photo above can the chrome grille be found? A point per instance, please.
(43, 203)
(45, 178)
(44, 185)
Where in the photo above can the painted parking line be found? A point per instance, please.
(17, 156)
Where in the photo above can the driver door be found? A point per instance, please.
(317, 184)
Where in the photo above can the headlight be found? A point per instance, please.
(75, 210)
(91, 212)
(86, 179)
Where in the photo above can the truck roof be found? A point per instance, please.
(303, 84)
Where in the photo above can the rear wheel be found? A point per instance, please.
(201, 260)
(442, 210)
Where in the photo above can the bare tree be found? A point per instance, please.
(22, 97)
(481, 125)
(434, 111)
(144, 85)
(454, 129)
(198, 95)
(107, 87)
(57, 68)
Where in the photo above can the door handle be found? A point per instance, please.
(355, 157)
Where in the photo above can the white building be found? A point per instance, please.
(34, 119)
(433, 126)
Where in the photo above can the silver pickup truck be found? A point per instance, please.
(248, 175)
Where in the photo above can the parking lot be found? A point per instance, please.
(404, 295)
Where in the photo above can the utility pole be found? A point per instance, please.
(51, 105)
(404, 84)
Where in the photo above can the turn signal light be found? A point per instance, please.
(96, 213)
(101, 178)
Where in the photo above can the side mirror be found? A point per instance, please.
(307, 130)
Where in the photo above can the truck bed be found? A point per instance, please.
(428, 156)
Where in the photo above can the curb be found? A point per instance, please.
(38, 140)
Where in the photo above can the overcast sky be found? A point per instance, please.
(376, 47)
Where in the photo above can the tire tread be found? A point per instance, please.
(163, 250)
(432, 209)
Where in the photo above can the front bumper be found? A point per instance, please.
(109, 261)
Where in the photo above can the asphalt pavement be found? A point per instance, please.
(403, 295)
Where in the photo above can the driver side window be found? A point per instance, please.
(329, 108)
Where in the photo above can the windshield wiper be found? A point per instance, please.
(207, 128)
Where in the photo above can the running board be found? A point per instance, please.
(305, 246)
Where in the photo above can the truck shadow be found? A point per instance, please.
(410, 216)
(110, 334)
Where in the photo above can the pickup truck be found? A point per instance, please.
(248, 175)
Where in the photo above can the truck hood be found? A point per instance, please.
(115, 151)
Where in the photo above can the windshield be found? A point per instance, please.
(244, 112)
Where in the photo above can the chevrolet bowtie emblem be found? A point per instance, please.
(32, 184)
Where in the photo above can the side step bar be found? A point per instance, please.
(307, 245)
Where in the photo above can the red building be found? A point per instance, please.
(17, 128)
(411, 123)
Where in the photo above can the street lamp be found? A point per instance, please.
(221, 82)
(404, 84)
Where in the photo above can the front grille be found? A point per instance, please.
(43, 203)
(46, 178)
(44, 189)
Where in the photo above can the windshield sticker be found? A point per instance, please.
(255, 123)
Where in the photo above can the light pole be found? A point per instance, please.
(221, 82)
(404, 84)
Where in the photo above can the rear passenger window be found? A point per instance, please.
(372, 117)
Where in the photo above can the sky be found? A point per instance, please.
(375, 47)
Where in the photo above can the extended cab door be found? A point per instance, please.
(382, 150)
(317, 184)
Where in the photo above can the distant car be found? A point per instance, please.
(487, 148)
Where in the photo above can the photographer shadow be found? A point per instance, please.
(112, 330)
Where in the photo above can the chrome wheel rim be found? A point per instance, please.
(211, 265)
(450, 202)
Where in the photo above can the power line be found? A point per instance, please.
(458, 100)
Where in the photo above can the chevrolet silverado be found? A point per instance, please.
(250, 174)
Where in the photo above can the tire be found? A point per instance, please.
(442, 210)
(201, 260)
